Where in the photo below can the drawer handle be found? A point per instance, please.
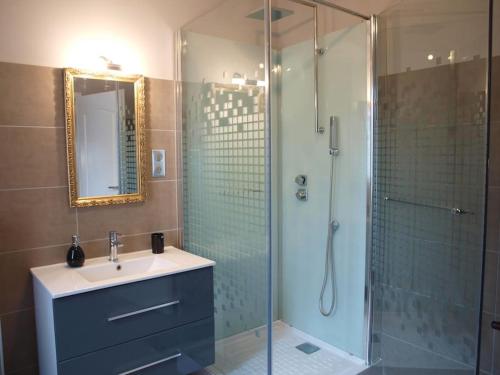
(142, 311)
(151, 364)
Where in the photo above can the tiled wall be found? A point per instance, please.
(304, 225)
(490, 353)
(224, 205)
(36, 222)
(412, 330)
(429, 153)
(490, 342)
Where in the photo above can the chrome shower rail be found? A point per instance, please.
(333, 6)
(342, 9)
(319, 51)
(453, 210)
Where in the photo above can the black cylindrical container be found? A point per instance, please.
(157, 242)
(75, 256)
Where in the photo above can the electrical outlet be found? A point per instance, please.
(158, 163)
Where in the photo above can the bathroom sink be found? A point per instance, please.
(59, 280)
(128, 267)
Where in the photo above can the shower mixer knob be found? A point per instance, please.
(301, 180)
(301, 195)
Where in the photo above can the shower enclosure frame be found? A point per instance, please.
(371, 97)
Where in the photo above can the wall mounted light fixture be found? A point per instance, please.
(110, 65)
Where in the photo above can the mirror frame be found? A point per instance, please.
(69, 105)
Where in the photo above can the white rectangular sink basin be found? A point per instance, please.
(128, 267)
(59, 280)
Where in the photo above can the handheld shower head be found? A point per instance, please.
(334, 136)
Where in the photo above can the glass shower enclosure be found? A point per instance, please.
(333, 165)
(429, 189)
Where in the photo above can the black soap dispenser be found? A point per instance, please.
(76, 256)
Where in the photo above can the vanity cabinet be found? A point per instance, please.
(162, 325)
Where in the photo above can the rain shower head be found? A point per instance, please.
(276, 14)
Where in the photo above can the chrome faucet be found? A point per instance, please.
(114, 244)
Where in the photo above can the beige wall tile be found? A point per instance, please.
(180, 211)
(31, 95)
(493, 219)
(19, 340)
(471, 75)
(490, 281)
(180, 235)
(178, 140)
(16, 291)
(494, 155)
(160, 108)
(32, 157)
(495, 90)
(165, 140)
(180, 187)
(158, 212)
(35, 218)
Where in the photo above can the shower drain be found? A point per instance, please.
(307, 348)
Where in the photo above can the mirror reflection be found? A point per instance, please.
(105, 137)
(104, 133)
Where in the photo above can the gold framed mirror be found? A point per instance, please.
(105, 138)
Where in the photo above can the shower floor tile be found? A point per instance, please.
(245, 354)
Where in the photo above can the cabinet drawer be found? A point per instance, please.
(181, 350)
(91, 321)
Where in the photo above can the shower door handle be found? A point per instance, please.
(495, 325)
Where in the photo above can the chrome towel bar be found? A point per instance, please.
(453, 210)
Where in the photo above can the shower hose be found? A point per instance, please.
(329, 253)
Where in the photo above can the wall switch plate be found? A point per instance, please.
(158, 163)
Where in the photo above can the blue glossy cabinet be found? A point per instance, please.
(181, 350)
(163, 325)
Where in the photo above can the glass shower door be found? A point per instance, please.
(430, 163)
(321, 193)
(224, 203)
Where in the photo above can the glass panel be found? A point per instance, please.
(304, 222)
(490, 339)
(430, 163)
(224, 174)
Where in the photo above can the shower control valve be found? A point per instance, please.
(301, 180)
(301, 195)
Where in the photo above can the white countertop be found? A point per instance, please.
(60, 280)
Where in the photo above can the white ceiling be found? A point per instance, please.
(228, 18)
(177, 13)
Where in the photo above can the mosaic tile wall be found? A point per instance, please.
(490, 339)
(128, 162)
(430, 157)
(224, 202)
(128, 168)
